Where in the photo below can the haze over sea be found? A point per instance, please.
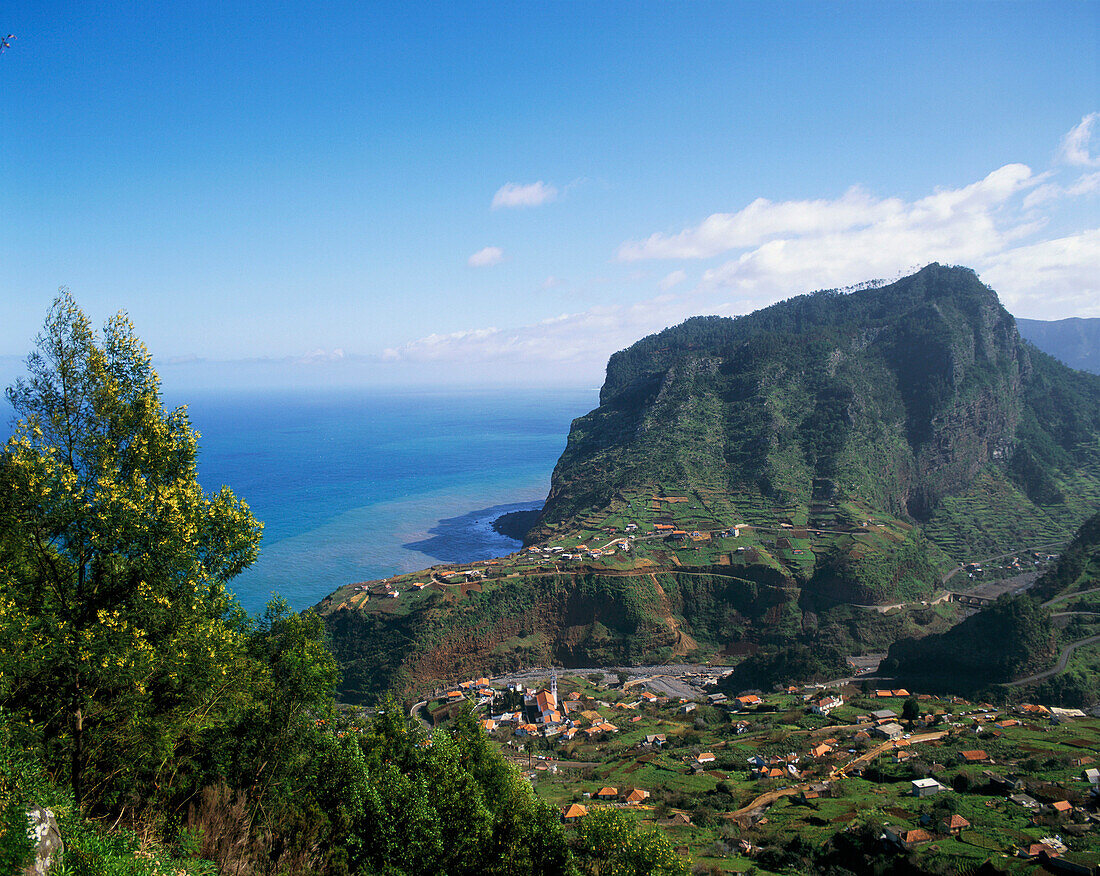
(353, 484)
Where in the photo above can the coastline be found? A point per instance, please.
(516, 524)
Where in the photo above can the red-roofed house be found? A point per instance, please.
(953, 825)
(1062, 807)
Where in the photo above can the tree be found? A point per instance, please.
(608, 843)
(113, 561)
(910, 709)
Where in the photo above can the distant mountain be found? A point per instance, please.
(746, 482)
(1074, 341)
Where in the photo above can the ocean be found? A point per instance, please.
(353, 485)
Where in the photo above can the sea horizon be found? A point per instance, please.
(359, 483)
(356, 484)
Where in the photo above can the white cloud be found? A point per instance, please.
(486, 257)
(551, 282)
(1087, 184)
(1050, 279)
(774, 250)
(518, 195)
(320, 355)
(1075, 145)
(675, 278)
(765, 221)
(759, 221)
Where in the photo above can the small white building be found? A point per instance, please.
(926, 787)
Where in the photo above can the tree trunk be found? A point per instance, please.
(78, 756)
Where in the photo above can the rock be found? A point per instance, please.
(48, 846)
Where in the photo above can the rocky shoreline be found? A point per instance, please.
(516, 524)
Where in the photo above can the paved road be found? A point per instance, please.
(414, 712)
(1067, 652)
(1066, 596)
(672, 675)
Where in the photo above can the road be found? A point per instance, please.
(1062, 597)
(1067, 652)
(768, 798)
(677, 679)
(414, 712)
(871, 754)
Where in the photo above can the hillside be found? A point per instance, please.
(745, 482)
(896, 398)
(1074, 341)
(1019, 637)
(1078, 567)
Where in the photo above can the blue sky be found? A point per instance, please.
(389, 193)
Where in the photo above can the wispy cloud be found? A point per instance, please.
(1085, 184)
(520, 195)
(674, 278)
(775, 249)
(486, 257)
(764, 221)
(1076, 144)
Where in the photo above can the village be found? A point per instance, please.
(646, 531)
(735, 780)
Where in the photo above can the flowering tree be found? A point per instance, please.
(113, 561)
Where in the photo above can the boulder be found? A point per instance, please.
(48, 846)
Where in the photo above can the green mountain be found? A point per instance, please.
(1074, 341)
(917, 401)
(749, 482)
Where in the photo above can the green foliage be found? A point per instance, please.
(1009, 638)
(608, 843)
(780, 666)
(23, 783)
(114, 562)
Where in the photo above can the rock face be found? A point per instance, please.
(48, 846)
(906, 391)
(901, 395)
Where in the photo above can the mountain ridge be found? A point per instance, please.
(746, 481)
(1074, 341)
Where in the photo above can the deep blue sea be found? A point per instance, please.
(355, 484)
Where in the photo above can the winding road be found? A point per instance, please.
(1067, 652)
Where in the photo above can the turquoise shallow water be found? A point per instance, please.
(354, 485)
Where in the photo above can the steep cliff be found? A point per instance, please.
(900, 396)
(750, 483)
